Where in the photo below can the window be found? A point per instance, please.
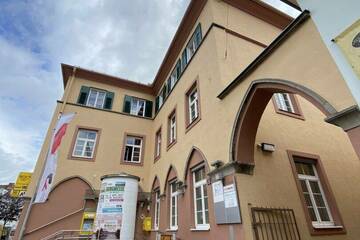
(173, 206)
(158, 144)
(284, 103)
(137, 106)
(192, 46)
(172, 128)
(133, 149)
(314, 195)
(193, 105)
(96, 98)
(201, 199)
(85, 143)
(321, 211)
(157, 210)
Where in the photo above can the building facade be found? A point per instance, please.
(235, 138)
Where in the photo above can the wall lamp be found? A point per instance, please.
(267, 147)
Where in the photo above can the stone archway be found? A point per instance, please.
(251, 109)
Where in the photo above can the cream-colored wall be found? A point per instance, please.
(273, 184)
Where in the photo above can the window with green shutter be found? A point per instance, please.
(137, 106)
(96, 98)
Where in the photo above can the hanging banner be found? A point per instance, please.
(51, 160)
(349, 43)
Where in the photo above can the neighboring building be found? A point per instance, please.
(238, 107)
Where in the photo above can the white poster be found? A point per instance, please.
(218, 193)
(51, 160)
(230, 197)
(110, 206)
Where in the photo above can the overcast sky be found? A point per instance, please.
(123, 38)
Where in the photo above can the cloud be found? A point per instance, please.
(124, 38)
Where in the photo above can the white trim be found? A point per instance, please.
(308, 178)
(158, 143)
(200, 184)
(86, 141)
(193, 103)
(135, 106)
(133, 147)
(282, 99)
(97, 94)
(172, 134)
(173, 195)
(157, 210)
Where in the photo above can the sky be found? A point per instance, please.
(123, 38)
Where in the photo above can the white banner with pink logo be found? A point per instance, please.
(48, 175)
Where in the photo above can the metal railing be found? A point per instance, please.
(274, 224)
(68, 234)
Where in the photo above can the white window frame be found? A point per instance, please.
(86, 141)
(202, 184)
(134, 110)
(133, 146)
(157, 210)
(281, 100)
(173, 194)
(194, 102)
(97, 92)
(307, 179)
(191, 48)
(172, 125)
(158, 144)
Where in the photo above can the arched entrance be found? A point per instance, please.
(251, 109)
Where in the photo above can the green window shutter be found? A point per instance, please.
(148, 109)
(178, 69)
(169, 84)
(156, 104)
(198, 36)
(84, 92)
(164, 92)
(183, 60)
(127, 104)
(109, 100)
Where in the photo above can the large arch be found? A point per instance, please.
(251, 109)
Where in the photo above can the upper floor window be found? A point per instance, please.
(157, 210)
(85, 143)
(193, 105)
(172, 128)
(287, 104)
(137, 106)
(201, 199)
(192, 46)
(158, 144)
(314, 195)
(173, 206)
(94, 97)
(133, 149)
(284, 102)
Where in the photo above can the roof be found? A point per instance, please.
(254, 7)
(265, 53)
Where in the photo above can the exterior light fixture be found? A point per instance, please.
(267, 147)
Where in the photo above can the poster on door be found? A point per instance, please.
(110, 206)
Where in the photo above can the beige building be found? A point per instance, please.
(247, 101)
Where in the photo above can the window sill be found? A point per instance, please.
(139, 164)
(200, 229)
(290, 114)
(192, 124)
(318, 227)
(86, 159)
(172, 230)
(170, 145)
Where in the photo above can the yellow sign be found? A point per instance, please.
(349, 43)
(87, 223)
(147, 224)
(21, 185)
(23, 179)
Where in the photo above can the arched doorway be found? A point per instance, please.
(251, 109)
